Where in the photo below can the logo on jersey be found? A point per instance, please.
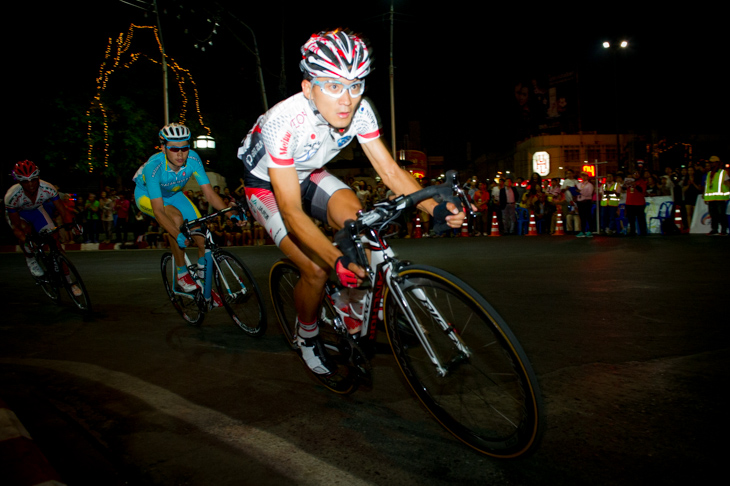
(344, 141)
(252, 150)
(309, 149)
(285, 144)
(259, 207)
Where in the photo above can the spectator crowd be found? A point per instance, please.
(556, 205)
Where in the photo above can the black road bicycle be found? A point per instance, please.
(58, 271)
(231, 278)
(457, 354)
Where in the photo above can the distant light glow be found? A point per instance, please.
(204, 142)
(541, 163)
(606, 44)
(624, 43)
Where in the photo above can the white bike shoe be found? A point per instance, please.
(186, 283)
(315, 356)
(34, 267)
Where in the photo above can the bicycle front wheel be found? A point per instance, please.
(283, 278)
(463, 362)
(73, 284)
(187, 305)
(240, 293)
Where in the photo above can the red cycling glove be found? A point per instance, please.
(347, 277)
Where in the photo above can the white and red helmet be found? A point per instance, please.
(336, 54)
(25, 171)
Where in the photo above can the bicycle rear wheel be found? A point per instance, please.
(486, 393)
(283, 278)
(241, 294)
(73, 284)
(189, 306)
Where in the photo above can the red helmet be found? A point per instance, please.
(25, 171)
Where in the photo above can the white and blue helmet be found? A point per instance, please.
(174, 132)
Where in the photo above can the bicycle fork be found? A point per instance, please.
(421, 332)
(230, 295)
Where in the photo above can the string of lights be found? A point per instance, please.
(124, 58)
(662, 146)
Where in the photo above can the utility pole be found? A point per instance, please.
(392, 88)
(165, 99)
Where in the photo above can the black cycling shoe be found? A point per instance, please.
(315, 355)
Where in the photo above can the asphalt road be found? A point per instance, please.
(629, 338)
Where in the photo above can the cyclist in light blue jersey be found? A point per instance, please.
(158, 193)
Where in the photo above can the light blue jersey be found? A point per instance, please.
(157, 179)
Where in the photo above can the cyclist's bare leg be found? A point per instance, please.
(176, 216)
(314, 272)
(309, 289)
(25, 229)
(342, 205)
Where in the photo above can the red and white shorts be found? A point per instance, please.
(316, 192)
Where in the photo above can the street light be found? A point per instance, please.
(621, 45)
(204, 142)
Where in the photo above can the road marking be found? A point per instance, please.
(269, 449)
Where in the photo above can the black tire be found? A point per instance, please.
(489, 400)
(241, 294)
(283, 277)
(72, 282)
(48, 281)
(187, 305)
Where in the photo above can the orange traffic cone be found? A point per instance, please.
(678, 219)
(417, 231)
(559, 223)
(532, 229)
(495, 226)
(464, 229)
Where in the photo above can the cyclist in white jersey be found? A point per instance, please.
(29, 206)
(284, 155)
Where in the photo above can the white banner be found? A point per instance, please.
(701, 222)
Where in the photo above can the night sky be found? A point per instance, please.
(455, 69)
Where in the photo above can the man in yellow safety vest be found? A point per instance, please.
(717, 193)
(610, 196)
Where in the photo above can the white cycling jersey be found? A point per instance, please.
(292, 134)
(16, 199)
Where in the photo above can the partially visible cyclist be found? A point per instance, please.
(159, 194)
(29, 206)
(284, 155)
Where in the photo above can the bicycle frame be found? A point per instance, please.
(383, 273)
(211, 266)
(383, 266)
(45, 238)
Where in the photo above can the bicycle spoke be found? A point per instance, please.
(487, 396)
(187, 305)
(241, 296)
